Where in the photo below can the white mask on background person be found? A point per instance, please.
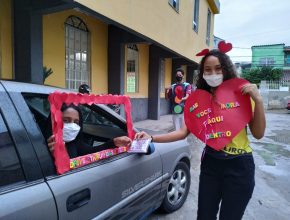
(70, 131)
(213, 80)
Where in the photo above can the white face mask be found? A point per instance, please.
(70, 131)
(213, 80)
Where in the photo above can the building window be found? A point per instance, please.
(266, 61)
(195, 15)
(287, 60)
(208, 27)
(77, 53)
(162, 74)
(132, 73)
(174, 4)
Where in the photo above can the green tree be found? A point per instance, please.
(277, 74)
(252, 75)
(256, 75)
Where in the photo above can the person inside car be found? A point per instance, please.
(73, 138)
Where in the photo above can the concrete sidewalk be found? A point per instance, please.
(163, 125)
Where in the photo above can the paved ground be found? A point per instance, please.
(271, 198)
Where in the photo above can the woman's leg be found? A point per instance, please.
(238, 186)
(209, 194)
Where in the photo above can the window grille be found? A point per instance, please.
(208, 27)
(195, 15)
(132, 73)
(77, 53)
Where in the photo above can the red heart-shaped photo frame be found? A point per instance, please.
(216, 120)
(62, 161)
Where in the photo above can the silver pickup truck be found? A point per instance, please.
(123, 186)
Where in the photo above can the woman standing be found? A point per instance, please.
(226, 179)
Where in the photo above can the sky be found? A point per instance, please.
(246, 23)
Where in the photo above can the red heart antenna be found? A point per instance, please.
(222, 46)
(225, 47)
(203, 52)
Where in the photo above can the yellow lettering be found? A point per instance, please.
(228, 133)
(218, 119)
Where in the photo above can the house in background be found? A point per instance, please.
(286, 68)
(273, 55)
(268, 55)
(118, 47)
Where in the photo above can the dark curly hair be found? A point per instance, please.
(228, 69)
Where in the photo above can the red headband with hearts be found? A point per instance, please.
(223, 47)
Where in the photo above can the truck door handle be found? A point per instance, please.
(78, 200)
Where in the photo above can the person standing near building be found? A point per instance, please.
(227, 178)
(84, 89)
(177, 94)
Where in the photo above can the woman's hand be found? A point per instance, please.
(165, 138)
(258, 122)
(253, 91)
(51, 143)
(122, 141)
(142, 135)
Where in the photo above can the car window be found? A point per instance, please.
(99, 126)
(10, 169)
(39, 104)
(92, 117)
(41, 107)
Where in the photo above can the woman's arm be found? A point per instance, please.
(163, 138)
(258, 123)
(113, 143)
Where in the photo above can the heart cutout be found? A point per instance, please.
(217, 120)
(225, 47)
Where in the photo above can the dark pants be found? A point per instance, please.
(225, 182)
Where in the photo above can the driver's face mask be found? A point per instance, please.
(70, 131)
